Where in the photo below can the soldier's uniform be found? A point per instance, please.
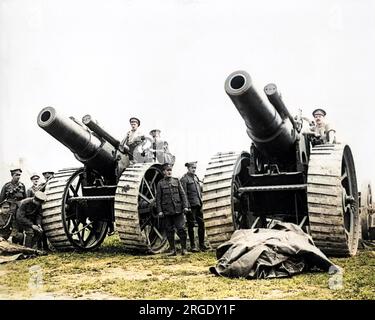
(160, 149)
(31, 191)
(14, 193)
(6, 221)
(28, 214)
(192, 188)
(171, 201)
(323, 129)
(133, 138)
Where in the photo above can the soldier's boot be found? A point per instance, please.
(202, 246)
(183, 247)
(111, 229)
(172, 247)
(193, 248)
(29, 239)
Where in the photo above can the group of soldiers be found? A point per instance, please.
(20, 210)
(179, 202)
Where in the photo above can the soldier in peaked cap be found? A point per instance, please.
(171, 203)
(13, 191)
(134, 136)
(34, 188)
(160, 149)
(29, 219)
(322, 129)
(191, 184)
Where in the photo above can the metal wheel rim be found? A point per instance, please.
(237, 182)
(82, 236)
(349, 197)
(152, 226)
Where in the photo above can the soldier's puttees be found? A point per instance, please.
(29, 219)
(191, 185)
(171, 203)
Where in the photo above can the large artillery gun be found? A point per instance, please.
(83, 202)
(286, 175)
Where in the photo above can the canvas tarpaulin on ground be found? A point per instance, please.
(282, 250)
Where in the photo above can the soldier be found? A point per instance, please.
(134, 137)
(13, 191)
(160, 149)
(6, 220)
(34, 188)
(322, 128)
(171, 202)
(48, 175)
(29, 219)
(190, 183)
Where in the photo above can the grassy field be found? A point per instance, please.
(111, 273)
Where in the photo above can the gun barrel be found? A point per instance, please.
(91, 124)
(86, 147)
(265, 126)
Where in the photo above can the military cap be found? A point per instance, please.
(190, 164)
(34, 175)
(136, 119)
(319, 110)
(41, 196)
(166, 166)
(13, 171)
(4, 202)
(154, 130)
(46, 172)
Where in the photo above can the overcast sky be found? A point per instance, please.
(166, 62)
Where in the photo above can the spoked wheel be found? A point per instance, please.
(333, 200)
(366, 209)
(137, 222)
(71, 224)
(221, 202)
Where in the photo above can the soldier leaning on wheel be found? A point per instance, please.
(322, 129)
(171, 203)
(192, 188)
(29, 219)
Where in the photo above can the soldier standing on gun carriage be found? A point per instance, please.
(171, 203)
(34, 188)
(134, 137)
(322, 129)
(190, 183)
(29, 219)
(13, 191)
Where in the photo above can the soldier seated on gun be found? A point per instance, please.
(35, 187)
(171, 203)
(133, 138)
(160, 149)
(29, 219)
(323, 131)
(48, 175)
(6, 220)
